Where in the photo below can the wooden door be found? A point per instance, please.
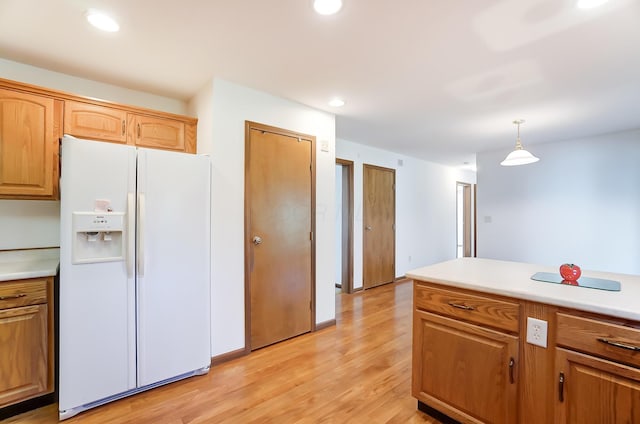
(379, 235)
(279, 226)
(23, 356)
(29, 132)
(595, 391)
(466, 371)
(95, 122)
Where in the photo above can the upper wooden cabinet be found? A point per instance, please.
(109, 123)
(29, 133)
(33, 119)
(86, 120)
(159, 133)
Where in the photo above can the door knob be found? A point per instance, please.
(257, 240)
(368, 228)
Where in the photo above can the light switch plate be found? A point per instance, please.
(537, 332)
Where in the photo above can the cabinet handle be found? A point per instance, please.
(512, 362)
(138, 130)
(123, 126)
(459, 306)
(561, 387)
(619, 344)
(13, 296)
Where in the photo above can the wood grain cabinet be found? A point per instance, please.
(157, 133)
(26, 337)
(469, 363)
(465, 354)
(95, 122)
(102, 122)
(29, 133)
(33, 119)
(597, 370)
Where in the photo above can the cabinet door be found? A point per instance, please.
(95, 122)
(157, 133)
(463, 370)
(595, 391)
(29, 131)
(23, 356)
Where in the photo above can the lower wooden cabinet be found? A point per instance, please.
(26, 339)
(470, 364)
(23, 357)
(464, 370)
(591, 390)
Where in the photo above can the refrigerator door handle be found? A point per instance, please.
(131, 239)
(141, 216)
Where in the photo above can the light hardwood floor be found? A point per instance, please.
(358, 371)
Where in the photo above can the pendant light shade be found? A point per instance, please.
(519, 156)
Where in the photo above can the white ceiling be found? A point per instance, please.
(436, 79)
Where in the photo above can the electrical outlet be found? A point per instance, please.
(537, 332)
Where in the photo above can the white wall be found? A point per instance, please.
(232, 105)
(62, 82)
(580, 204)
(28, 223)
(425, 207)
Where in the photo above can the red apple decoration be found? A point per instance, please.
(570, 272)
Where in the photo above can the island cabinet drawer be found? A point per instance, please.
(475, 308)
(612, 341)
(18, 293)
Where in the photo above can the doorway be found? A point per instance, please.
(379, 230)
(465, 216)
(344, 226)
(279, 234)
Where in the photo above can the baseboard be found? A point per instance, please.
(226, 357)
(27, 405)
(402, 279)
(325, 324)
(434, 413)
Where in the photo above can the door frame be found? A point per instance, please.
(393, 171)
(469, 231)
(249, 125)
(347, 171)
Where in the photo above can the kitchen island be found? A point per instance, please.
(27, 329)
(492, 345)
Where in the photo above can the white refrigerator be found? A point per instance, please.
(134, 271)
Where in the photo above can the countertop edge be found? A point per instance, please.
(563, 296)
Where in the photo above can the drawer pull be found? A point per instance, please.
(511, 364)
(619, 344)
(561, 387)
(459, 306)
(13, 296)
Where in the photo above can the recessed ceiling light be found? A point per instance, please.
(327, 7)
(102, 21)
(589, 4)
(336, 102)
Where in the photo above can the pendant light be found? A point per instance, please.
(519, 156)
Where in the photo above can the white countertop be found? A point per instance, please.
(30, 263)
(513, 279)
